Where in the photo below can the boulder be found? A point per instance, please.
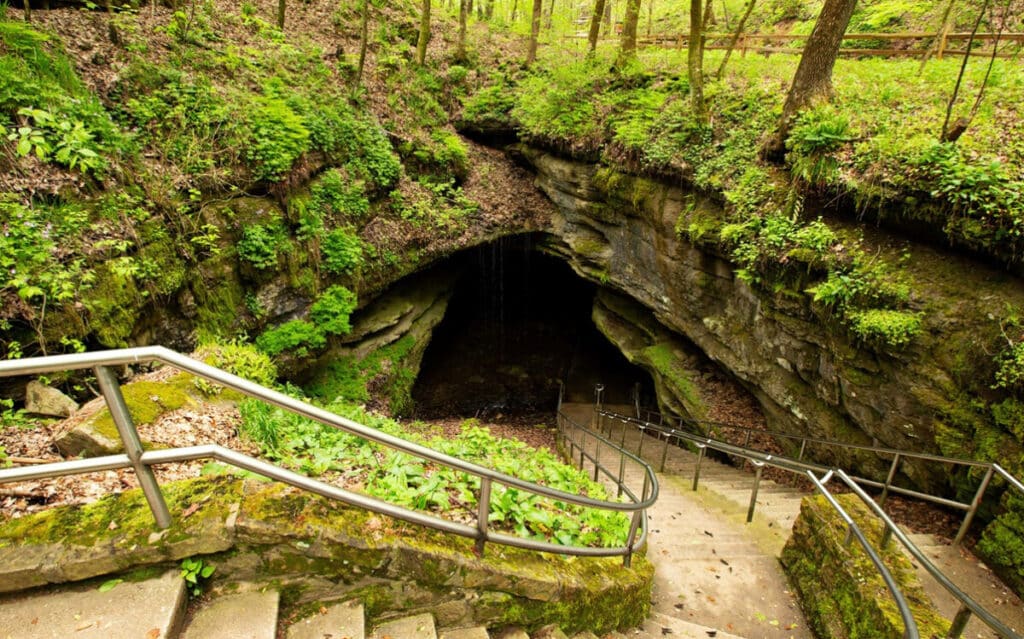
(49, 402)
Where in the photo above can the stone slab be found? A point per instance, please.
(416, 627)
(245, 615)
(479, 632)
(343, 620)
(151, 609)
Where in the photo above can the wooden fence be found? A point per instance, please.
(911, 44)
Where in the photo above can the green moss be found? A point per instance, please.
(664, 360)
(115, 305)
(350, 379)
(840, 590)
(146, 402)
(125, 520)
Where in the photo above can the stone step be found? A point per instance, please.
(478, 632)
(657, 625)
(84, 612)
(344, 620)
(414, 627)
(244, 615)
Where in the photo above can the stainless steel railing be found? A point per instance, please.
(144, 461)
(760, 459)
(898, 456)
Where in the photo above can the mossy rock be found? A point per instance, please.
(839, 588)
(314, 549)
(147, 401)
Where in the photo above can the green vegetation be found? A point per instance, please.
(195, 572)
(405, 480)
(328, 316)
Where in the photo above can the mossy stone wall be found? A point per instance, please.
(314, 550)
(839, 588)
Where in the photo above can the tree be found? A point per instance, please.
(595, 24)
(695, 60)
(735, 38)
(460, 49)
(364, 32)
(812, 82)
(421, 43)
(280, 14)
(531, 51)
(628, 48)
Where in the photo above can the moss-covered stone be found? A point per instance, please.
(313, 549)
(840, 590)
(146, 400)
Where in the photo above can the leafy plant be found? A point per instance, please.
(342, 252)
(195, 572)
(261, 243)
(278, 137)
(331, 311)
(815, 137)
(296, 336)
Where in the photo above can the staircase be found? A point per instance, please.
(155, 608)
(715, 575)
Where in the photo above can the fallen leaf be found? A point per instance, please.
(154, 633)
(189, 511)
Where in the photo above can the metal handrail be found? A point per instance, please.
(968, 605)
(898, 455)
(650, 487)
(142, 461)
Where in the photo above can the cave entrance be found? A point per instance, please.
(519, 321)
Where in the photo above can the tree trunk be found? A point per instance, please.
(947, 20)
(608, 17)
(280, 14)
(813, 80)
(364, 32)
(595, 24)
(531, 51)
(735, 38)
(629, 22)
(650, 17)
(460, 50)
(515, 11)
(489, 11)
(421, 43)
(695, 61)
(28, 10)
(550, 16)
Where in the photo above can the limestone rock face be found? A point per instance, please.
(809, 377)
(49, 402)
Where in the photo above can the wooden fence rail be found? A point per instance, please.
(760, 43)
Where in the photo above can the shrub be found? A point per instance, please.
(816, 136)
(342, 252)
(885, 327)
(332, 194)
(261, 243)
(330, 313)
(277, 137)
(297, 336)
(238, 358)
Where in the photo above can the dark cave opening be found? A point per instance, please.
(518, 322)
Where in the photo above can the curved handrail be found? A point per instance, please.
(101, 361)
(897, 454)
(968, 604)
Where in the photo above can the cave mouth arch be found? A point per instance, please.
(519, 320)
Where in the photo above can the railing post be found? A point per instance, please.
(622, 442)
(622, 473)
(598, 391)
(483, 513)
(696, 468)
(664, 452)
(803, 445)
(888, 480)
(886, 536)
(583, 447)
(640, 446)
(969, 517)
(132, 444)
(597, 455)
(959, 623)
(634, 525)
(753, 493)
